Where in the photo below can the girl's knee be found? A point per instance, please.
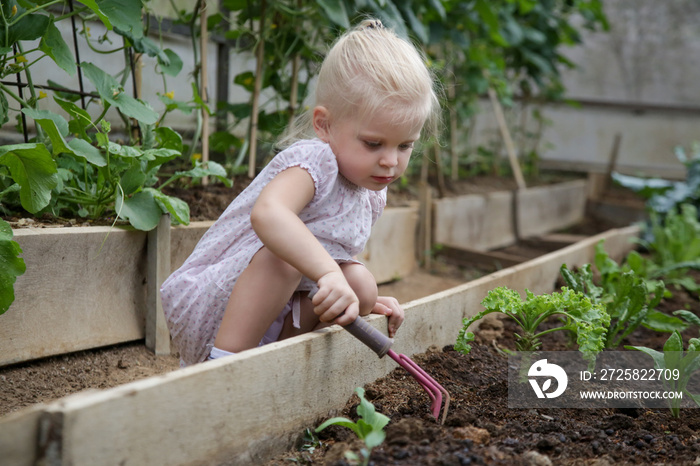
(363, 284)
(268, 262)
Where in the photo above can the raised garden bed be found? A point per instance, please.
(91, 287)
(481, 429)
(133, 423)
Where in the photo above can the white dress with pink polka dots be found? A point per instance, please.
(340, 215)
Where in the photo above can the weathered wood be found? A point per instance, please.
(83, 288)
(478, 221)
(495, 259)
(550, 208)
(248, 407)
(157, 334)
(388, 253)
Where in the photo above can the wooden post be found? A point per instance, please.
(157, 334)
(259, 57)
(510, 147)
(425, 225)
(204, 78)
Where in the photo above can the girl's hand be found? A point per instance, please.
(335, 301)
(390, 307)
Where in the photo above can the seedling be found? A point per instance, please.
(681, 365)
(586, 320)
(369, 428)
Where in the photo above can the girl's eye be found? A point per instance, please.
(371, 144)
(408, 146)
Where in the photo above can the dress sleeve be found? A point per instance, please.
(314, 156)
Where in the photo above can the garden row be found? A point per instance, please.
(97, 286)
(249, 407)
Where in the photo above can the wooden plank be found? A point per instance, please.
(555, 240)
(389, 252)
(495, 259)
(18, 437)
(476, 221)
(256, 403)
(544, 209)
(157, 334)
(83, 288)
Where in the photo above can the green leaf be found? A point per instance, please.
(4, 109)
(80, 116)
(688, 316)
(32, 167)
(141, 210)
(168, 138)
(53, 45)
(661, 322)
(335, 11)
(11, 266)
(132, 179)
(45, 115)
(124, 14)
(29, 27)
(178, 209)
(54, 125)
(339, 421)
(173, 65)
(111, 91)
(84, 149)
(92, 4)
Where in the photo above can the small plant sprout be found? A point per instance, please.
(682, 365)
(369, 428)
(586, 320)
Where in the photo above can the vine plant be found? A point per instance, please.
(73, 163)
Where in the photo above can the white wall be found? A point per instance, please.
(640, 79)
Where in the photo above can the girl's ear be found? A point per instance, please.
(321, 122)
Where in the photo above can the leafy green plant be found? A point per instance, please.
(586, 320)
(11, 266)
(368, 428)
(674, 246)
(664, 196)
(674, 359)
(628, 298)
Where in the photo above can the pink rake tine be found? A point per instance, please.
(434, 389)
(381, 344)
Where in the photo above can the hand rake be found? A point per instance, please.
(381, 344)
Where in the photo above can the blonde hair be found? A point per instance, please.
(370, 68)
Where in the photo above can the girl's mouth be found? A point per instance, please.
(383, 179)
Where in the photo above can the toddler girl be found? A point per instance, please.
(309, 212)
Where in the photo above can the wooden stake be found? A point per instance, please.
(158, 256)
(204, 76)
(510, 147)
(259, 57)
(453, 128)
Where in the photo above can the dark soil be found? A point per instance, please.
(481, 429)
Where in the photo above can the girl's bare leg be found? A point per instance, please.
(258, 297)
(362, 282)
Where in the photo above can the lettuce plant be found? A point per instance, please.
(369, 428)
(586, 320)
(674, 359)
(628, 298)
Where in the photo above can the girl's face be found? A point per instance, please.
(371, 153)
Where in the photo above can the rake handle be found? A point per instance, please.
(370, 336)
(363, 331)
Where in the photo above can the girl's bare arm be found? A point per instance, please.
(275, 219)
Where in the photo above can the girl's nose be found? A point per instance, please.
(389, 159)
